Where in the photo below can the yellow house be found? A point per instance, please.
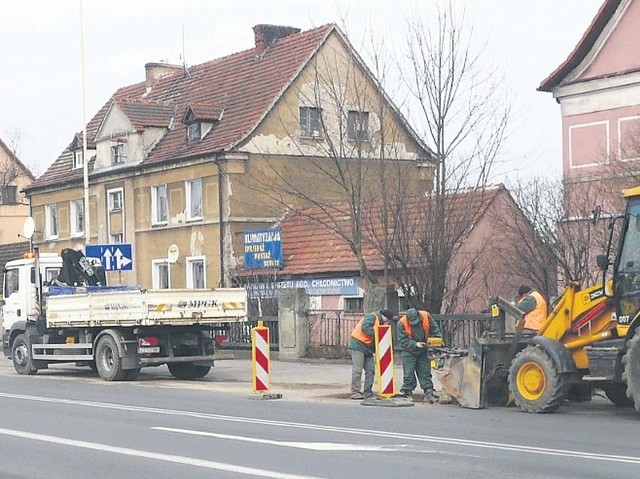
(181, 164)
(14, 177)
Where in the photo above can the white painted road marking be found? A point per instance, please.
(312, 446)
(189, 461)
(318, 427)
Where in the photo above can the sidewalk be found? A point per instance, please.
(301, 379)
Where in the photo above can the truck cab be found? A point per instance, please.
(19, 287)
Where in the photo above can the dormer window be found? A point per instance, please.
(193, 131)
(117, 154)
(78, 159)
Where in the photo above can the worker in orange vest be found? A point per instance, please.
(413, 330)
(362, 347)
(534, 306)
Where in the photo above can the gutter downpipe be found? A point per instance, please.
(223, 279)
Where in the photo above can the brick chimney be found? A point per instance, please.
(153, 71)
(265, 35)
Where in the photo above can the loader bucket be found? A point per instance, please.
(479, 379)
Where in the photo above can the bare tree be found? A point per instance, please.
(352, 147)
(553, 245)
(463, 109)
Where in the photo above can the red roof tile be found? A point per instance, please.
(245, 85)
(310, 246)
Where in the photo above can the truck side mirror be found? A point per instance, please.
(602, 261)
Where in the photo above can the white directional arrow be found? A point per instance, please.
(107, 259)
(121, 260)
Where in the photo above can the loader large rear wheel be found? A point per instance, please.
(631, 373)
(534, 382)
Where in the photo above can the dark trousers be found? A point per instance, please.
(416, 367)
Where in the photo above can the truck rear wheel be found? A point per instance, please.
(188, 370)
(535, 383)
(631, 373)
(21, 356)
(108, 361)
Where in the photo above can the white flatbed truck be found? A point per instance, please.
(114, 330)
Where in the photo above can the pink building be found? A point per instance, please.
(598, 89)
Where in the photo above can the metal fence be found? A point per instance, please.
(333, 328)
(237, 335)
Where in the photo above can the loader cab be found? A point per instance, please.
(626, 267)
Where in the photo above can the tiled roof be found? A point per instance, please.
(244, 84)
(206, 111)
(142, 113)
(309, 246)
(583, 47)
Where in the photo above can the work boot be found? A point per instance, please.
(368, 395)
(404, 394)
(357, 396)
(430, 397)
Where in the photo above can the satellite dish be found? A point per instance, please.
(28, 228)
(173, 253)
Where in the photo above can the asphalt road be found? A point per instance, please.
(70, 424)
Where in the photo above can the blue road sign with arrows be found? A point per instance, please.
(114, 257)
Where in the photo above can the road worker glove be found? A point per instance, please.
(421, 344)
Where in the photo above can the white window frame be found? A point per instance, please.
(111, 195)
(117, 154)
(191, 261)
(155, 190)
(191, 215)
(78, 159)
(76, 206)
(51, 227)
(117, 238)
(156, 266)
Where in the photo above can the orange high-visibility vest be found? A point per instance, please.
(425, 324)
(360, 335)
(534, 318)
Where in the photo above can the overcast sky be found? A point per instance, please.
(40, 83)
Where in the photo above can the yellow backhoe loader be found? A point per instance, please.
(590, 339)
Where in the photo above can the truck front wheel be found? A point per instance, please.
(108, 361)
(188, 370)
(21, 356)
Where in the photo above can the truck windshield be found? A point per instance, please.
(630, 254)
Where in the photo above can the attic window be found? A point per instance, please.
(117, 154)
(358, 126)
(78, 159)
(193, 131)
(310, 122)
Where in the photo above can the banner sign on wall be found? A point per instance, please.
(263, 249)
(347, 286)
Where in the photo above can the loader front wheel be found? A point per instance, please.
(534, 382)
(108, 360)
(631, 373)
